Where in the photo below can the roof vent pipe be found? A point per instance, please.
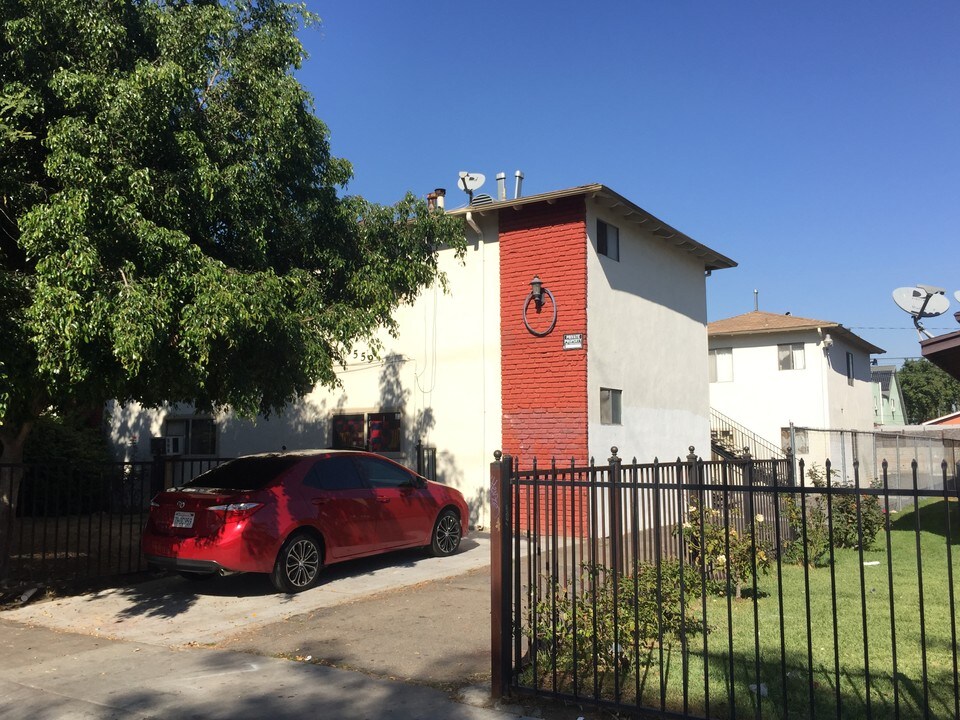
(440, 193)
(519, 185)
(501, 186)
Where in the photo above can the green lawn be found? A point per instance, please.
(841, 685)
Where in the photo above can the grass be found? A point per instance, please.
(744, 649)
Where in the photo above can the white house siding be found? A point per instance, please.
(659, 359)
(763, 398)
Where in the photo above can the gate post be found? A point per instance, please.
(616, 521)
(501, 621)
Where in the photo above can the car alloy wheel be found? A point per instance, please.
(298, 564)
(446, 534)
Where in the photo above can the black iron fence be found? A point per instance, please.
(726, 589)
(61, 523)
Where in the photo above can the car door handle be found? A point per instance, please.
(320, 501)
(382, 499)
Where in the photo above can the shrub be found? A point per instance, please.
(575, 628)
(723, 553)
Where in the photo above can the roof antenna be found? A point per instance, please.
(756, 300)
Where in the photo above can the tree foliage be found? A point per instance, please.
(171, 221)
(928, 391)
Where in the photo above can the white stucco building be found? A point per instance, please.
(768, 371)
(616, 354)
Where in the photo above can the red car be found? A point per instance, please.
(290, 514)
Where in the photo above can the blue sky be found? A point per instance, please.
(816, 143)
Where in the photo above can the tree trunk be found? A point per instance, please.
(11, 475)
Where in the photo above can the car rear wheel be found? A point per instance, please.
(446, 534)
(298, 564)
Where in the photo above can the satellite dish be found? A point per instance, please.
(469, 182)
(956, 294)
(919, 303)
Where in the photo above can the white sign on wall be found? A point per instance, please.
(573, 341)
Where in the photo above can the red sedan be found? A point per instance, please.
(290, 514)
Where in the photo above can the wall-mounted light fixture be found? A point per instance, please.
(536, 296)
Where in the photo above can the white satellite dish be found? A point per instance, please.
(469, 182)
(956, 294)
(920, 303)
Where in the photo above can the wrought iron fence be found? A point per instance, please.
(63, 523)
(726, 589)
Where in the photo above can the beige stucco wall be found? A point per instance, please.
(646, 336)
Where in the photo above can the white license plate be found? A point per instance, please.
(183, 519)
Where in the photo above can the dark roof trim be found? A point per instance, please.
(944, 352)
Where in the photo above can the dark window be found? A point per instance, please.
(850, 368)
(348, 432)
(383, 432)
(249, 473)
(381, 473)
(199, 434)
(608, 240)
(336, 472)
(377, 431)
(610, 406)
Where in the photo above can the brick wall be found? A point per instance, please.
(544, 386)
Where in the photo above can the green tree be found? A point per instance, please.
(172, 222)
(928, 391)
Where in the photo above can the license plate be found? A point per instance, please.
(183, 519)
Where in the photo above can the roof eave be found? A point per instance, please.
(631, 211)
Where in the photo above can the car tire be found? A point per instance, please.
(194, 576)
(446, 534)
(298, 564)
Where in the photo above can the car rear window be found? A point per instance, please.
(248, 473)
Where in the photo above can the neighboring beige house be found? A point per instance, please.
(769, 370)
(615, 355)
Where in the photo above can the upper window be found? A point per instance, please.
(850, 368)
(790, 357)
(608, 240)
(610, 406)
(199, 434)
(376, 431)
(721, 365)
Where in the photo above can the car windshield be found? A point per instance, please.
(248, 473)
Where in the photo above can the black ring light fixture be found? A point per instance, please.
(537, 291)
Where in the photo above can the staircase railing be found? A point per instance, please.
(732, 437)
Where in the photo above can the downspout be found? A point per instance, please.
(482, 511)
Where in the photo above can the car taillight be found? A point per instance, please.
(234, 512)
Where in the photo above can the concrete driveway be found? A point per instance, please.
(175, 612)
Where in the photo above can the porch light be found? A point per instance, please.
(536, 291)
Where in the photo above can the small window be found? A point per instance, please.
(348, 432)
(610, 406)
(377, 431)
(850, 368)
(721, 365)
(384, 474)
(790, 357)
(608, 240)
(199, 434)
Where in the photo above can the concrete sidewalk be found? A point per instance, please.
(49, 674)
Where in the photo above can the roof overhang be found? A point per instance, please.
(835, 328)
(944, 352)
(615, 202)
